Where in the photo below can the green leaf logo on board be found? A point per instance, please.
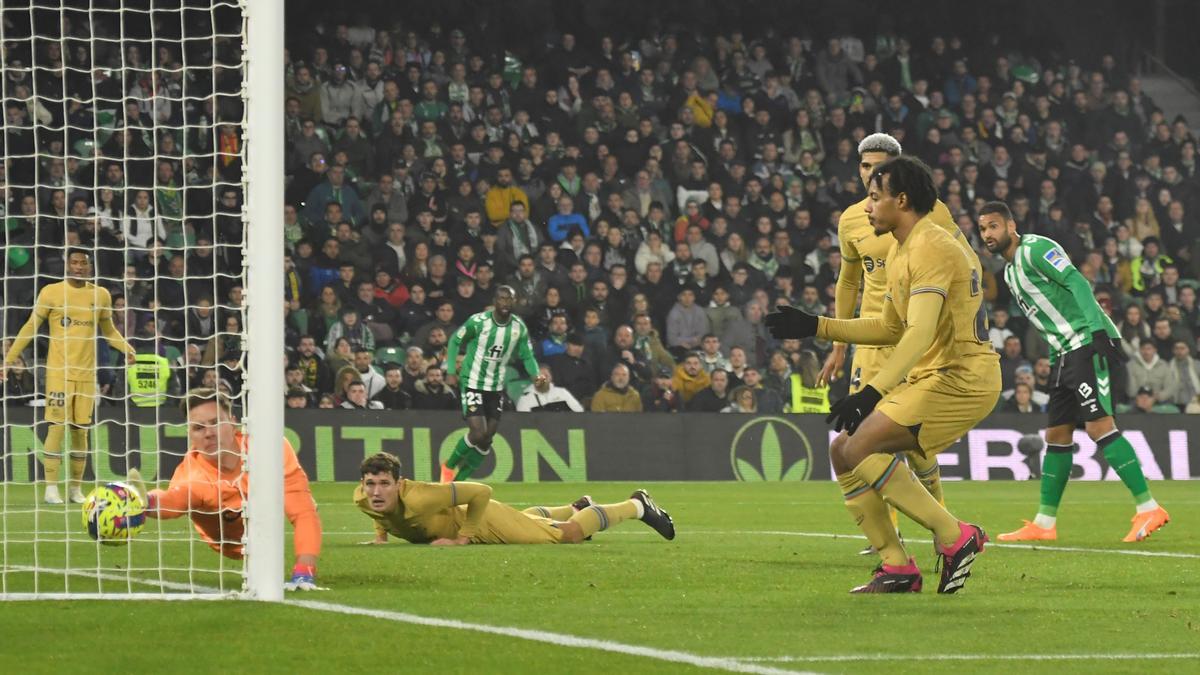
(770, 449)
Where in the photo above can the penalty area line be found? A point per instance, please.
(837, 658)
(546, 637)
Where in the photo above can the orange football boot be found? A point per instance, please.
(1031, 532)
(1144, 524)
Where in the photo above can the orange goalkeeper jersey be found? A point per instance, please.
(214, 499)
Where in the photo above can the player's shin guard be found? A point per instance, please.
(928, 472)
(1124, 461)
(603, 516)
(1056, 471)
(471, 462)
(870, 513)
(52, 453)
(79, 455)
(893, 480)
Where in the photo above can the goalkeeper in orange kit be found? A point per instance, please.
(210, 487)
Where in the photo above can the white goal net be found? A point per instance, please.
(125, 137)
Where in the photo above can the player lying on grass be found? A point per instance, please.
(932, 312)
(1084, 349)
(210, 483)
(456, 513)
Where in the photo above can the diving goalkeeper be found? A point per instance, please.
(77, 310)
(210, 485)
(457, 513)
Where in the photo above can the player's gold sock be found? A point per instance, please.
(929, 472)
(870, 513)
(893, 480)
(603, 516)
(893, 515)
(79, 455)
(555, 513)
(52, 453)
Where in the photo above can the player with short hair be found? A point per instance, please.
(1084, 348)
(457, 513)
(77, 310)
(933, 314)
(211, 485)
(488, 341)
(864, 265)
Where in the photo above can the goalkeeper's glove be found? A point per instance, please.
(304, 578)
(791, 323)
(134, 480)
(1108, 347)
(849, 412)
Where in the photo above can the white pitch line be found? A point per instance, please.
(558, 639)
(197, 591)
(835, 658)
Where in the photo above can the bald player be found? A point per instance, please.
(933, 313)
(864, 266)
(77, 311)
(459, 513)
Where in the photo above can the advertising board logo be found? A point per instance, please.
(770, 449)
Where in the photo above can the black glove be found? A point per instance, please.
(790, 323)
(1108, 347)
(849, 412)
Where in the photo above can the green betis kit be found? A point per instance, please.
(1059, 302)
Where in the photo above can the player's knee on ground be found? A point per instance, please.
(572, 533)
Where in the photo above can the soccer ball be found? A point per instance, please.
(113, 513)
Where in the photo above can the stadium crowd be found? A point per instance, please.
(648, 196)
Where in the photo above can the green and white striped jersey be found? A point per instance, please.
(1055, 296)
(487, 347)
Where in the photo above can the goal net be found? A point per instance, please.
(125, 137)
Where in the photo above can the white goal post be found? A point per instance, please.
(145, 132)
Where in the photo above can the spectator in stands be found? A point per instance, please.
(689, 377)
(686, 322)
(555, 342)
(616, 395)
(296, 399)
(1148, 371)
(393, 396)
(661, 395)
(711, 357)
(356, 398)
(1187, 374)
(548, 397)
(575, 369)
(1146, 401)
(742, 400)
(431, 393)
(1011, 359)
(998, 331)
(713, 398)
(1021, 400)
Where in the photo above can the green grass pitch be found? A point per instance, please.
(758, 575)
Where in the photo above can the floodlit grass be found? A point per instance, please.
(755, 574)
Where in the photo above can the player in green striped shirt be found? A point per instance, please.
(1084, 345)
(488, 341)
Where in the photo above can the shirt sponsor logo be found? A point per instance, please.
(1057, 260)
